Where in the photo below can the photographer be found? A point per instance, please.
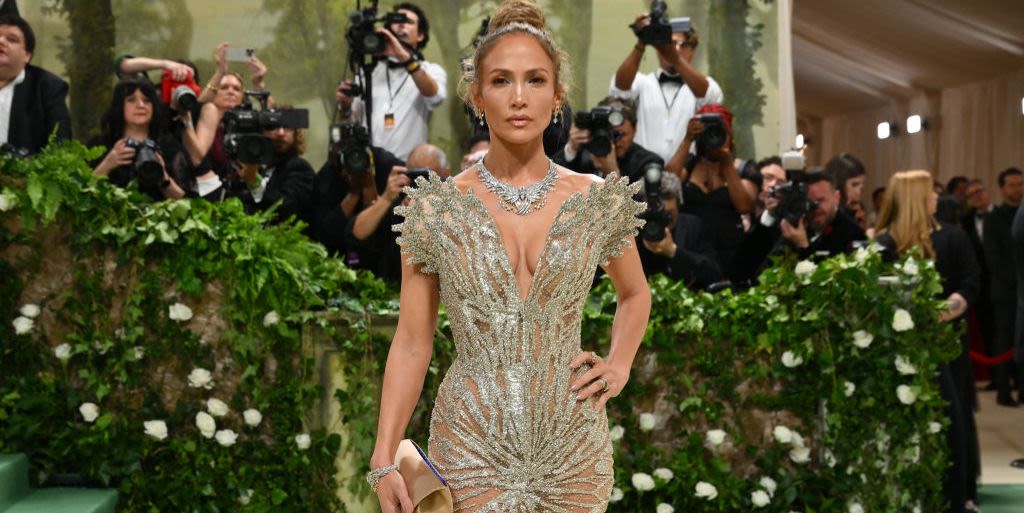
(342, 191)
(668, 98)
(605, 142)
(287, 182)
(370, 233)
(685, 253)
(139, 148)
(406, 88)
(32, 100)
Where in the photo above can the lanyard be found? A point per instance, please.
(392, 94)
(668, 106)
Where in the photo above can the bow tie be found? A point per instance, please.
(395, 65)
(665, 77)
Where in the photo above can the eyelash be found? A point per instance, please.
(503, 80)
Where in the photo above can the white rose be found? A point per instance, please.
(855, 507)
(830, 458)
(30, 310)
(849, 388)
(904, 366)
(798, 441)
(800, 455)
(663, 473)
(616, 433)
(217, 407)
(226, 437)
(768, 484)
(23, 325)
(179, 312)
(302, 441)
(906, 394)
(861, 255)
(271, 319)
(910, 268)
(805, 267)
(760, 498)
(62, 352)
(253, 417)
(782, 434)
(643, 482)
(207, 426)
(200, 378)
(665, 508)
(89, 412)
(617, 495)
(705, 490)
(790, 360)
(647, 421)
(156, 429)
(245, 497)
(138, 352)
(715, 437)
(862, 339)
(934, 427)
(901, 320)
(7, 202)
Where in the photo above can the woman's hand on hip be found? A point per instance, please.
(602, 380)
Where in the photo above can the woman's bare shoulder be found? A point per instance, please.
(578, 182)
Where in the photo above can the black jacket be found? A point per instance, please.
(695, 262)
(999, 254)
(631, 163)
(330, 189)
(290, 188)
(1017, 234)
(39, 106)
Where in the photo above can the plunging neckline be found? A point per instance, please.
(475, 201)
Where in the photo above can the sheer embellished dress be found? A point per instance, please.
(506, 431)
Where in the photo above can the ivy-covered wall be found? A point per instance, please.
(157, 348)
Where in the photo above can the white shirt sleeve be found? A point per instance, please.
(440, 76)
(712, 95)
(631, 94)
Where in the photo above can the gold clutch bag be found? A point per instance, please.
(428, 490)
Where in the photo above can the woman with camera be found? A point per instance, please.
(712, 188)
(138, 147)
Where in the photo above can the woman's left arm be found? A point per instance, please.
(631, 315)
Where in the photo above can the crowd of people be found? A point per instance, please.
(715, 220)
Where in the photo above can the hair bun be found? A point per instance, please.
(518, 11)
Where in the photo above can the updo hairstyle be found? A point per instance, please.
(515, 16)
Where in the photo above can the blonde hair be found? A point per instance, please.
(515, 16)
(905, 212)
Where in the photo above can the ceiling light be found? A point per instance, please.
(884, 130)
(800, 143)
(914, 124)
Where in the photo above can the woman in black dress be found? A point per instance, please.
(907, 220)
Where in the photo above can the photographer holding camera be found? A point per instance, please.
(285, 179)
(139, 148)
(370, 233)
(602, 141)
(405, 87)
(682, 250)
(667, 98)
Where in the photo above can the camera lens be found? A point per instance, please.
(615, 118)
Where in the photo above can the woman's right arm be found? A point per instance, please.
(199, 138)
(406, 368)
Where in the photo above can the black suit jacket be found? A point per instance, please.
(290, 188)
(999, 254)
(1017, 235)
(631, 163)
(695, 262)
(39, 106)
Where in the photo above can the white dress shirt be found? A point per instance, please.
(6, 101)
(663, 110)
(395, 93)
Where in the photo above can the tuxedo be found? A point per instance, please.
(290, 187)
(39, 106)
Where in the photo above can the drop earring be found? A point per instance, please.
(482, 120)
(555, 119)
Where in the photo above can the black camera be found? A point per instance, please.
(183, 99)
(659, 31)
(416, 172)
(713, 136)
(601, 121)
(792, 196)
(362, 36)
(243, 129)
(656, 216)
(353, 145)
(146, 167)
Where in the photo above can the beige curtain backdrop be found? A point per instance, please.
(975, 130)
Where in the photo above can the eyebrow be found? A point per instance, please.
(531, 70)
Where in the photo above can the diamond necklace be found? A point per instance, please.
(519, 200)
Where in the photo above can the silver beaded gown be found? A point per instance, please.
(506, 432)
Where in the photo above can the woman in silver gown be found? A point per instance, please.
(510, 246)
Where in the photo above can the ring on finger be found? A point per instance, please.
(604, 384)
(594, 357)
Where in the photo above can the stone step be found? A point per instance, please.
(13, 479)
(66, 500)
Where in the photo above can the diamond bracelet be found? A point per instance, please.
(374, 476)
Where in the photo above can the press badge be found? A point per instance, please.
(389, 120)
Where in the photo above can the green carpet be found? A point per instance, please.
(1001, 498)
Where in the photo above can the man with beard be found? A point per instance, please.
(287, 182)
